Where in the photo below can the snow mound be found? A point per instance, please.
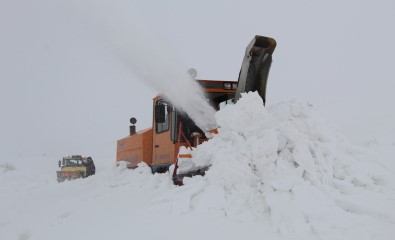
(276, 173)
(284, 164)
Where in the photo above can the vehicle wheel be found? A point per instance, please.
(160, 168)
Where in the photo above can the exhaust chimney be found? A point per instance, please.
(132, 129)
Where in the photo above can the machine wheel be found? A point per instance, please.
(160, 168)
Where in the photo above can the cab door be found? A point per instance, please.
(163, 147)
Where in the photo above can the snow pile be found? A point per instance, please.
(284, 165)
(276, 173)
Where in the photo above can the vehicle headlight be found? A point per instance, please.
(227, 86)
(234, 85)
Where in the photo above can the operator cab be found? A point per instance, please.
(218, 93)
(167, 120)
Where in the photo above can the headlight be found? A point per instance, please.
(234, 85)
(227, 86)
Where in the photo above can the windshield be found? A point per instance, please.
(72, 162)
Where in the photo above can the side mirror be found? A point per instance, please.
(60, 163)
(160, 113)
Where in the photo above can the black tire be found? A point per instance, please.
(160, 168)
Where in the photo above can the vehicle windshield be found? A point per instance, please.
(72, 162)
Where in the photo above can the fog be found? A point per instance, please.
(71, 75)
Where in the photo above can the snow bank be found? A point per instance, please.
(276, 173)
(283, 164)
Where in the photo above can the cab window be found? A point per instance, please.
(162, 116)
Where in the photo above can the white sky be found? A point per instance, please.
(63, 90)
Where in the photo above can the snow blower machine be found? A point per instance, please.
(159, 146)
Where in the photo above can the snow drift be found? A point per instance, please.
(276, 173)
(284, 164)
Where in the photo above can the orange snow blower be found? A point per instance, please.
(159, 146)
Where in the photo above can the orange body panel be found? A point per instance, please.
(136, 148)
(164, 149)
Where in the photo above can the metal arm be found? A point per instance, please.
(255, 68)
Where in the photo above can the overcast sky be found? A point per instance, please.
(65, 90)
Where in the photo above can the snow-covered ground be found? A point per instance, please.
(276, 173)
